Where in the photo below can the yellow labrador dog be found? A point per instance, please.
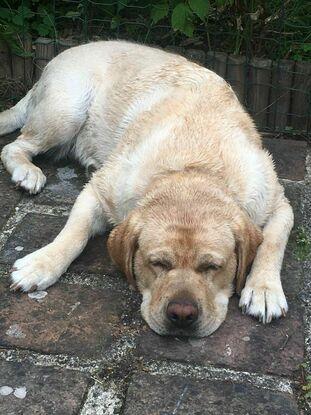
(181, 172)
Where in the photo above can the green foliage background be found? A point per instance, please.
(272, 28)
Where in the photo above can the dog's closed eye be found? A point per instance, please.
(161, 264)
(208, 266)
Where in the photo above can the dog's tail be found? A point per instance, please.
(15, 117)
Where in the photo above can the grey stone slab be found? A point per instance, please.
(240, 343)
(48, 391)
(65, 180)
(9, 197)
(167, 395)
(7, 139)
(95, 259)
(32, 233)
(289, 157)
(70, 319)
(37, 230)
(276, 348)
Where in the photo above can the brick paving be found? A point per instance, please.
(84, 349)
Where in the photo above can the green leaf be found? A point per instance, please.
(5, 13)
(18, 20)
(43, 29)
(25, 12)
(306, 47)
(73, 14)
(188, 28)
(48, 20)
(159, 11)
(182, 19)
(199, 7)
(115, 21)
(121, 5)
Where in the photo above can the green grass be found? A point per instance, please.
(302, 248)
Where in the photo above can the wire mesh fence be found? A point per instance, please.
(261, 48)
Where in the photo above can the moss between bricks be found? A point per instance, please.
(302, 250)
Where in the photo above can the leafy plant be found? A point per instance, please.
(307, 387)
(271, 28)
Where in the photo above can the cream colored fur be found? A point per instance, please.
(147, 119)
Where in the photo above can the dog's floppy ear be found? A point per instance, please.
(248, 237)
(123, 242)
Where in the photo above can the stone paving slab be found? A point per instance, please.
(65, 180)
(48, 391)
(33, 232)
(83, 326)
(9, 198)
(95, 259)
(167, 395)
(71, 319)
(7, 139)
(289, 157)
(37, 230)
(241, 343)
(240, 339)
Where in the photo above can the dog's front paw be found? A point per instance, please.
(264, 301)
(35, 271)
(29, 178)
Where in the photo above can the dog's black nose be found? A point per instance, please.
(182, 313)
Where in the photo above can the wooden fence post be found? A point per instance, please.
(258, 90)
(5, 61)
(22, 66)
(280, 94)
(236, 75)
(301, 97)
(217, 61)
(64, 44)
(45, 51)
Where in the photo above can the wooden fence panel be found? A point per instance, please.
(259, 88)
(236, 75)
(217, 61)
(45, 51)
(301, 97)
(280, 95)
(22, 67)
(5, 61)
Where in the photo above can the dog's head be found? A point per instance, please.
(184, 261)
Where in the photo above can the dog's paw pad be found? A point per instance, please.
(29, 178)
(264, 302)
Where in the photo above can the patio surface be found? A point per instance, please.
(84, 349)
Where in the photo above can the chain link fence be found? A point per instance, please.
(264, 52)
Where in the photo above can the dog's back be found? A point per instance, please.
(139, 111)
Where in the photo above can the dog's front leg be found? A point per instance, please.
(263, 295)
(43, 268)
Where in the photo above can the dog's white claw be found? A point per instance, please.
(264, 302)
(36, 271)
(29, 178)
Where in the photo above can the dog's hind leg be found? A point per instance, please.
(43, 268)
(54, 119)
(16, 158)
